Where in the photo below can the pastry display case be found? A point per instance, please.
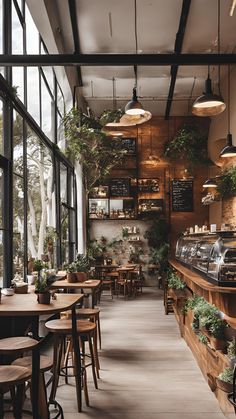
(212, 254)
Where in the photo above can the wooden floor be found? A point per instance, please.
(147, 369)
(148, 372)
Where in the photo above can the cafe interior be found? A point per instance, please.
(118, 209)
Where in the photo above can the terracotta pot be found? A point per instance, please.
(81, 276)
(43, 297)
(71, 277)
(226, 387)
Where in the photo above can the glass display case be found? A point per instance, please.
(212, 254)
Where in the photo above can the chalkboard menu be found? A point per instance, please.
(129, 144)
(182, 195)
(119, 187)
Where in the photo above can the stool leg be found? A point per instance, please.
(18, 401)
(85, 386)
(1, 406)
(56, 365)
(99, 332)
(77, 359)
(93, 361)
(95, 351)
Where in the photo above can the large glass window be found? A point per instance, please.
(40, 188)
(47, 110)
(18, 195)
(33, 93)
(32, 35)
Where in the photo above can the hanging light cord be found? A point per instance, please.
(136, 42)
(229, 99)
(218, 42)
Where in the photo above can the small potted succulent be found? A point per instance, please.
(42, 289)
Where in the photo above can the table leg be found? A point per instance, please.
(35, 383)
(77, 359)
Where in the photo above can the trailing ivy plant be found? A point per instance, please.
(87, 143)
(226, 185)
(189, 143)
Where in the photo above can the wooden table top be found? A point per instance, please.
(124, 268)
(27, 305)
(93, 283)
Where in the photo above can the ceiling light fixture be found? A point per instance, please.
(229, 150)
(210, 183)
(134, 107)
(210, 104)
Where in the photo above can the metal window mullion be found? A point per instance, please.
(19, 13)
(7, 36)
(55, 108)
(70, 229)
(58, 209)
(25, 190)
(76, 210)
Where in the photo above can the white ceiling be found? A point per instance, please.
(108, 26)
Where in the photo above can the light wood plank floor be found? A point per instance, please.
(147, 369)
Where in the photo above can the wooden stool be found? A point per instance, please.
(107, 283)
(11, 377)
(15, 346)
(45, 365)
(61, 329)
(94, 315)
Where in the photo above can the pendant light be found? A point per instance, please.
(134, 107)
(210, 104)
(229, 150)
(210, 183)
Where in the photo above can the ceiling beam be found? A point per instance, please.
(74, 25)
(178, 48)
(117, 59)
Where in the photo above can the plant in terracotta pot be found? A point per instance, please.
(225, 380)
(42, 289)
(82, 265)
(70, 270)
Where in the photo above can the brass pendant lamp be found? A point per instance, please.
(229, 150)
(210, 104)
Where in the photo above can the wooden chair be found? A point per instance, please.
(12, 376)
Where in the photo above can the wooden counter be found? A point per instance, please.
(224, 298)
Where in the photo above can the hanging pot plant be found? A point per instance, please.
(226, 186)
(189, 144)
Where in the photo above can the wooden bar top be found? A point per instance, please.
(224, 298)
(27, 305)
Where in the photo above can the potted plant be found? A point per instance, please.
(38, 266)
(226, 185)
(231, 352)
(190, 144)
(225, 380)
(82, 266)
(70, 270)
(42, 289)
(175, 283)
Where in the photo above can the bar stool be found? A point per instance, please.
(61, 329)
(45, 365)
(15, 346)
(12, 377)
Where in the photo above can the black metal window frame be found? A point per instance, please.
(11, 103)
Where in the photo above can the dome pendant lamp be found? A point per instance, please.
(210, 104)
(229, 150)
(134, 107)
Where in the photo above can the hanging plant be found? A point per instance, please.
(87, 143)
(226, 186)
(189, 144)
